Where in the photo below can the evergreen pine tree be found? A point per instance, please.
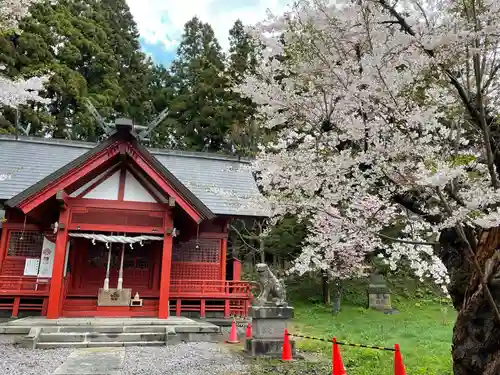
(244, 134)
(201, 115)
(92, 48)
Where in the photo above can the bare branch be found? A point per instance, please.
(242, 238)
(407, 241)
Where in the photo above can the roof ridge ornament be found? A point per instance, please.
(142, 132)
(105, 126)
(146, 130)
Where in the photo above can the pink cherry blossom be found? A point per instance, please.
(20, 91)
(376, 102)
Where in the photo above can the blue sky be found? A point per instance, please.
(160, 22)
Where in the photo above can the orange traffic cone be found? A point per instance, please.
(399, 367)
(337, 365)
(248, 333)
(286, 354)
(233, 334)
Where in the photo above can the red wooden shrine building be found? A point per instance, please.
(116, 229)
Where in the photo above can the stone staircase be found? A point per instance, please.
(102, 333)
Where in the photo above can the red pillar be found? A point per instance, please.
(166, 264)
(3, 244)
(236, 269)
(56, 284)
(223, 259)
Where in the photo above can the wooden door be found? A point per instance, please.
(90, 262)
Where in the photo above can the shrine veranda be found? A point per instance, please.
(120, 230)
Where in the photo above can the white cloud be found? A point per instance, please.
(162, 21)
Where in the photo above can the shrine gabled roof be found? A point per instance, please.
(223, 184)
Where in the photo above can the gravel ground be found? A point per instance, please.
(19, 361)
(182, 359)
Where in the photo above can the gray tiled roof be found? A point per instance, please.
(224, 184)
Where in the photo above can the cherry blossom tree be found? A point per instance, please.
(385, 117)
(20, 91)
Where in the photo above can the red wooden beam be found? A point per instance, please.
(118, 205)
(121, 184)
(69, 178)
(62, 198)
(213, 235)
(20, 226)
(116, 228)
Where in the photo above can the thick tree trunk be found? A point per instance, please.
(476, 336)
(262, 251)
(337, 296)
(325, 286)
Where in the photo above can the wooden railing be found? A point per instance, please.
(24, 285)
(231, 298)
(210, 288)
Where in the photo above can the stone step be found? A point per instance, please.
(107, 329)
(80, 337)
(24, 330)
(100, 337)
(75, 345)
(14, 330)
(198, 328)
(209, 328)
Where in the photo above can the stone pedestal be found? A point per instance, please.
(268, 327)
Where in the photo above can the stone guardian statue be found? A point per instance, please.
(273, 291)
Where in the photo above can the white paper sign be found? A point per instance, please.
(31, 266)
(47, 261)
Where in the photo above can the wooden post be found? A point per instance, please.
(223, 259)
(56, 284)
(227, 308)
(178, 305)
(203, 308)
(15, 307)
(236, 270)
(166, 264)
(3, 244)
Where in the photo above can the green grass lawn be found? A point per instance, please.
(422, 329)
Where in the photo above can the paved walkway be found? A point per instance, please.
(98, 361)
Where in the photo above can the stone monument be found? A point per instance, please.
(269, 314)
(379, 297)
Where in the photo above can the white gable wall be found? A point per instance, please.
(135, 192)
(85, 186)
(109, 188)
